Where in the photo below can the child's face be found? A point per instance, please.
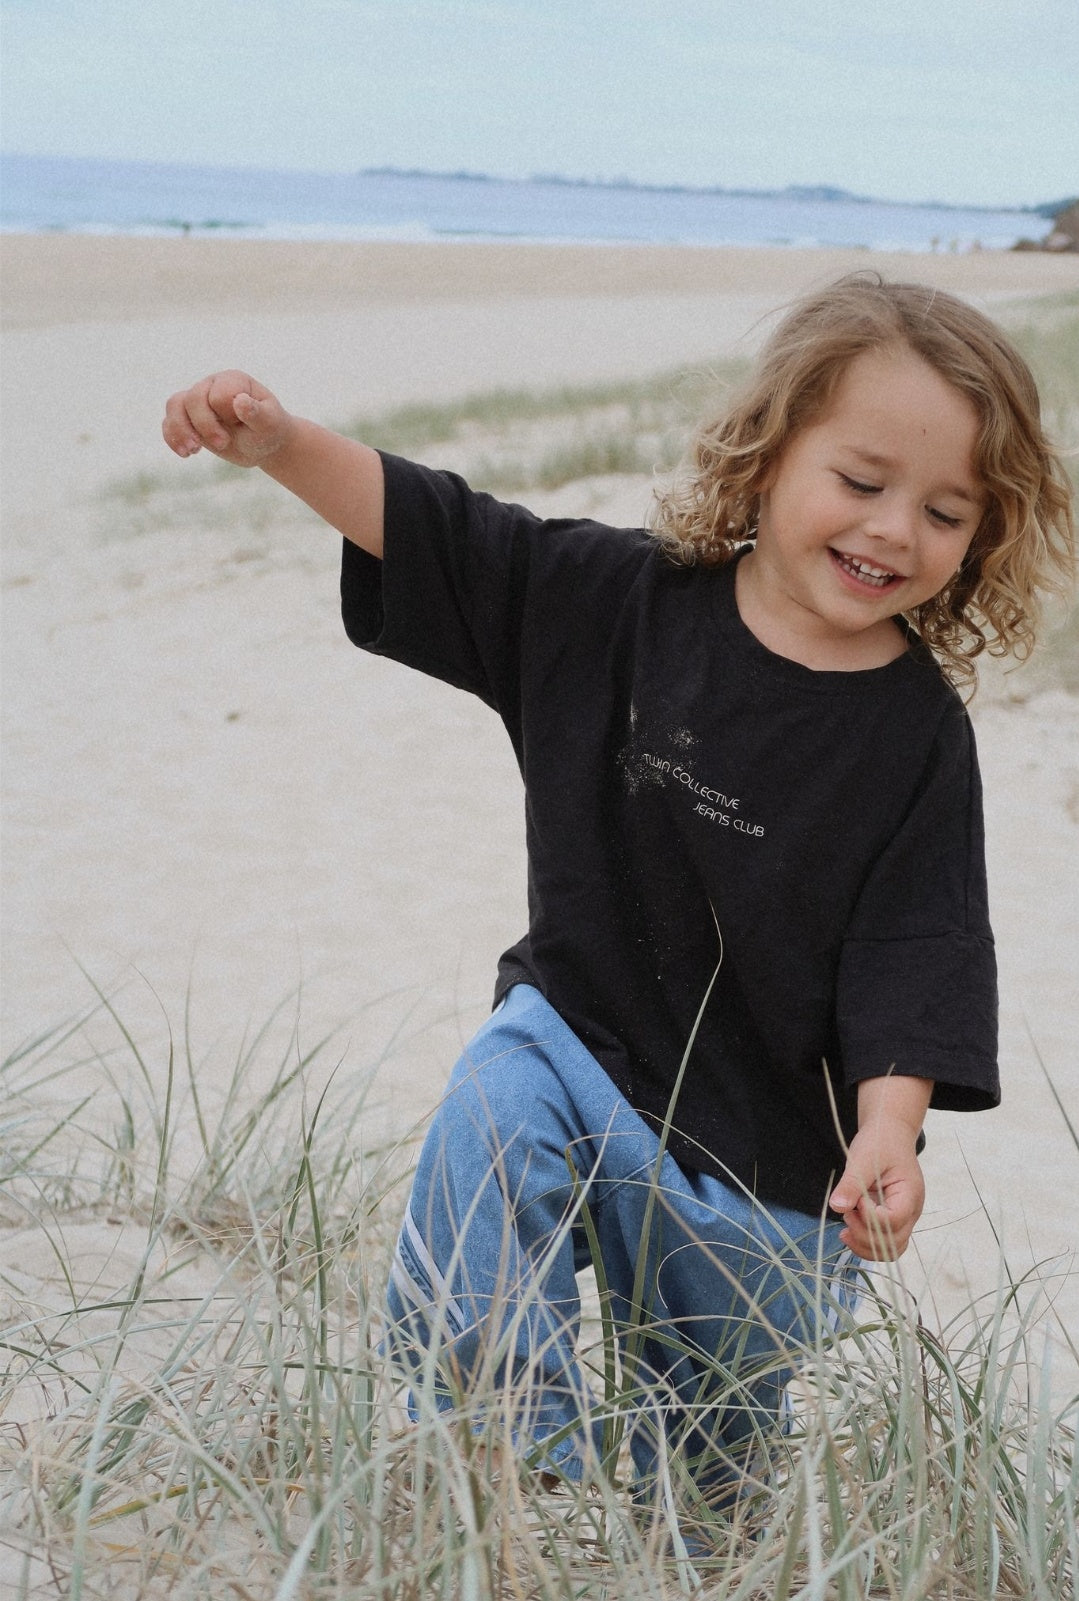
(869, 510)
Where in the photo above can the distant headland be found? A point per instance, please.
(793, 191)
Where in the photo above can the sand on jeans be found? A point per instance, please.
(207, 791)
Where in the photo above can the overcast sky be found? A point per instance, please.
(959, 100)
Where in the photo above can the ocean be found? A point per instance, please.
(44, 194)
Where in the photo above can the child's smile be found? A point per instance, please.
(868, 512)
(862, 572)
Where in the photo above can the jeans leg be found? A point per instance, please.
(483, 1293)
(483, 1296)
(740, 1291)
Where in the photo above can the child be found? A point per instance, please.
(758, 944)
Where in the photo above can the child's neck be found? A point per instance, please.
(806, 640)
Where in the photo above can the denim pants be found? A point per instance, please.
(534, 1163)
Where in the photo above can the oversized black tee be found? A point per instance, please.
(694, 801)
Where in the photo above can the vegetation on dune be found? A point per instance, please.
(512, 441)
(516, 440)
(216, 1418)
(1047, 332)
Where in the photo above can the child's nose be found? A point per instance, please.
(894, 519)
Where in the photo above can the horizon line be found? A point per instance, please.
(808, 191)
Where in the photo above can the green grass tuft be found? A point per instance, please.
(1046, 330)
(512, 441)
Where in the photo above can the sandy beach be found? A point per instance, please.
(209, 793)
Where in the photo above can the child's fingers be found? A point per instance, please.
(190, 422)
(210, 412)
(258, 415)
(206, 413)
(854, 1187)
(263, 424)
(880, 1231)
(870, 1229)
(880, 1197)
(177, 429)
(222, 390)
(869, 1232)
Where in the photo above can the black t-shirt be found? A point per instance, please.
(693, 799)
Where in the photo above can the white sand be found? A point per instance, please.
(206, 786)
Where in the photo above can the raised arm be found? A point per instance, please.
(239, 420)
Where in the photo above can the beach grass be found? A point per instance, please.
(503, 437)
(513, 441)
(194, 1402)
(1047, 332)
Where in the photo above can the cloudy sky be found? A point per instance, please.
(959, 100)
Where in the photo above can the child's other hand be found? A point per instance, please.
(881, 1194)
(882, 1191)
(232, 414)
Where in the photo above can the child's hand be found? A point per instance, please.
(233, 415)
(882, 1190)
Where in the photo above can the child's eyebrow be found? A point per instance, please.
(959, 491)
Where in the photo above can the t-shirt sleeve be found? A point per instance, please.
(476, 591)
(418, 604)
(917, 992)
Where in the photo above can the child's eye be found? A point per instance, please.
(944, 520)
(858, 487)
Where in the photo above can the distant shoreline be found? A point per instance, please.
(82, 195)
(812, 192)
(791, 191)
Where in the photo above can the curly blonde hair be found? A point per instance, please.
(1024, 547)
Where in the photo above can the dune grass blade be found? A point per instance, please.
(644, 1278)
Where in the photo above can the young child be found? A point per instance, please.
(758, 944)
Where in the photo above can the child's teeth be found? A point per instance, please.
(878, 575)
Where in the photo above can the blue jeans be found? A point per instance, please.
(534, 1164)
